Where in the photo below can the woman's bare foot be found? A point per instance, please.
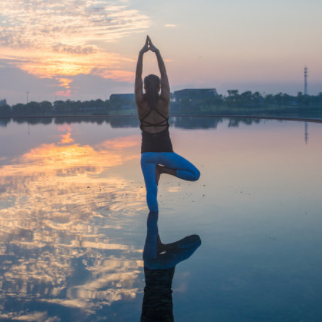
(158, 171)
(161, 169)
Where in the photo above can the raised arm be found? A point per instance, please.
(138, 88)
(165, 87)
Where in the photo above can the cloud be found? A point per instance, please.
(67, 24)
(114, 74)
(66, 93)
(85, 50)
(170, 25)
(67, 37)
(65, 82)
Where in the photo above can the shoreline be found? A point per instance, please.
(313, 120)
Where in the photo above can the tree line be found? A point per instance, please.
(234, 99)
(249, 99)
(56, 108)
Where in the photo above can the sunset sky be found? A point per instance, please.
(87, 49)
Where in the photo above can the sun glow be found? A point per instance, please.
(67, 37)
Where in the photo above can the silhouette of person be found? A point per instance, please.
(157, 154)
(159, 267)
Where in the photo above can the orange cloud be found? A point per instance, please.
(64, 82)
(63, 93)
(65, 37)
(114, 74)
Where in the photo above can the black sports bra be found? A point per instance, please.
(144, 123)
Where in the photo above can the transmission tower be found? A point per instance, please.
(305, 80)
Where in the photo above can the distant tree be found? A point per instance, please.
(32, 108)
(5, 109)
(59, 106)
(269, 99)
(257, 98)
(278, 98)
(246, 98)
(233, 97)
(107, 105)
(301, 99)
(18, 109)
(46, 106)
(232, 92)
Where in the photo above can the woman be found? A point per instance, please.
(153, 111)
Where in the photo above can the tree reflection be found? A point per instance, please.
(184, 122)
(235, 122)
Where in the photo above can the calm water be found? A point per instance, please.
(73, 220)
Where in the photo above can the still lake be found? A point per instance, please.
(73, 220)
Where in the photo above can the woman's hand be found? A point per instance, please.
(152, 47)
(146, 46)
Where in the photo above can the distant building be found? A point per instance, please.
(122, 98)
(123, 101)
(195, 94)
(3, 102)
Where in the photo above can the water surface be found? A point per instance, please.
(73, 220)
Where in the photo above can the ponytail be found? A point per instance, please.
(152, 84)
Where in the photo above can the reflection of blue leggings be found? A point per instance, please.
(164, 256)
(149, 161)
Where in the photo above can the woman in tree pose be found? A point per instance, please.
(157, 155)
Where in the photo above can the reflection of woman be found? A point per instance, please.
(159, 265)
(153, 110)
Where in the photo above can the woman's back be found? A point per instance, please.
(153, 119)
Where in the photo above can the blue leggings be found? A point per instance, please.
(149, 161)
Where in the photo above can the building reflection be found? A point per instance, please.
(160, 261)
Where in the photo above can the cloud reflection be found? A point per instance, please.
(59, 214)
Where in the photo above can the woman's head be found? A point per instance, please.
(152, 81)
(152, 88)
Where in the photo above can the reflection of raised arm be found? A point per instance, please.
(138, 75)
(165, 87)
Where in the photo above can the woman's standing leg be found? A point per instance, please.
(148, 165)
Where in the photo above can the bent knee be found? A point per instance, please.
(196, 175)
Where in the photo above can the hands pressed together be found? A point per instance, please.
(148, 46)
